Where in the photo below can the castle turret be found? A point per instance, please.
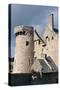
(24, 49)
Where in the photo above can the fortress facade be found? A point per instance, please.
(33, 52)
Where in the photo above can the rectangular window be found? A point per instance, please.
(27, 43)
(39, 41)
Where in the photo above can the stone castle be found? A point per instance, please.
(34, 53)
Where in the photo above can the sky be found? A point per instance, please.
(31, 15)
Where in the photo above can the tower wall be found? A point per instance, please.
(23, 50)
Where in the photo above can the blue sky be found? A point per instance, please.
(31, 15)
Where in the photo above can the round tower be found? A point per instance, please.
(24, 49)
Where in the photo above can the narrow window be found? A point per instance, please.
(52, 37)
(27, 43)
(39, 41)
(47, 38)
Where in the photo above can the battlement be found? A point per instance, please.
(22, 28)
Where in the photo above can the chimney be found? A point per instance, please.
(50, 23)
